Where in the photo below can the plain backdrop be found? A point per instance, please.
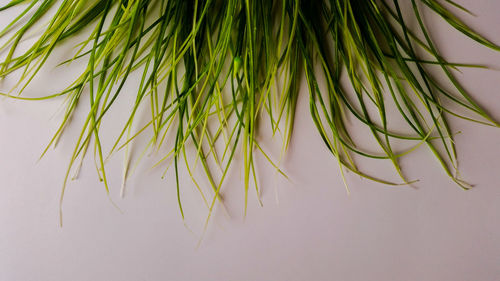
(309, 227)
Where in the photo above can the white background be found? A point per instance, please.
(435, 231)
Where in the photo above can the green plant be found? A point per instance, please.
(209, 69)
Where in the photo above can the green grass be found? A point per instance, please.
(209, 71)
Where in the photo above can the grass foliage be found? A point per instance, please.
(212, 70)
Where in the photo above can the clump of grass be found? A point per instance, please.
(210, 69)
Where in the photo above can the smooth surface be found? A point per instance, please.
(317, 232)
